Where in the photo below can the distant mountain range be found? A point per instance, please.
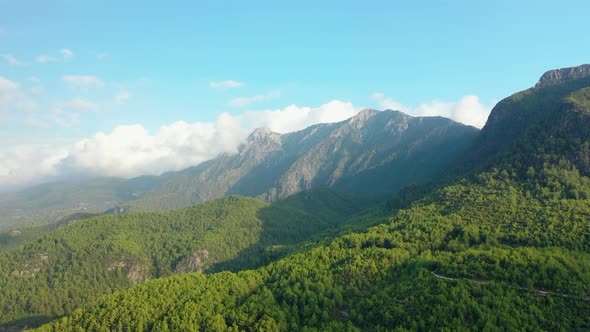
(372, 153)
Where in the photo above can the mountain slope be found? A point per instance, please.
(548, 122)
(49, 203)
(373, 152)
(77, 263)
(505, 248)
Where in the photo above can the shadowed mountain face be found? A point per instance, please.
(376, 152)
(540, 125)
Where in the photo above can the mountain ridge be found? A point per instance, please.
(267, 165)
(557, 76)
(341, 155)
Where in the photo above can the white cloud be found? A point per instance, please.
(83, 81)
(467, 110)
(388, 103)
(131, 150)
(35, 79)
(10, 59)
(8, 93)
(35, 120)
(293, 117)
(243, 101)
(66, 53)
(13, 99)
(79, 104)
(66, 114)
(29, 164)
(65, 118)
(122, 97)
(45, 58)
(226, 84)
(7, 85)
(37, 90)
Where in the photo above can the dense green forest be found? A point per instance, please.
(78, 262)
(489, 253)
(502, 243)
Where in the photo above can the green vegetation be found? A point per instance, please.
(13, 237)
(75, 264)
(503, 241)
(50, 203)
(505, 247)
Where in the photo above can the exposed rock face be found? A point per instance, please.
(193, 262)
(557, 76)
(138, 273)
(264, 135)
(374, 151)
(30, 268)
(115, 265)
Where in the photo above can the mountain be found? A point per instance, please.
(72, 266)
(548, 122)
(49, 203)
(373, 152)
(506, 247)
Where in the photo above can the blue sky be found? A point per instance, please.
(71, 69)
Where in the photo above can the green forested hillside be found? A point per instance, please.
(75, 264)
(477, 255)
(15, 236)
(505, 248)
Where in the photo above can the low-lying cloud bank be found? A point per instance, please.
(468, 110)
(131, 150)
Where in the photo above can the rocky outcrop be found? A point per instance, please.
(30, 268)
(195, 261)
(138, 273)
(558, 76)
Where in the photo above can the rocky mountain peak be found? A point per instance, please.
(262, 133)
(365, 114)
(558, 76)
(361, 118)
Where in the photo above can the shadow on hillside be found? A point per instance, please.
(283, 232)
(289, 225)
(25, 323)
